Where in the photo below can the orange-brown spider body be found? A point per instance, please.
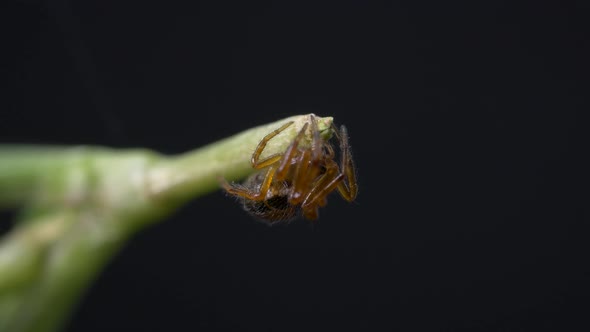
(299, 180)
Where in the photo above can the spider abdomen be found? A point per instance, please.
(275, 207)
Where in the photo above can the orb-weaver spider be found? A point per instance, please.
(299, 180)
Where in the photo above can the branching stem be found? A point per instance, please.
(79, 205)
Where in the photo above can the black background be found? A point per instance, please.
(466, 123)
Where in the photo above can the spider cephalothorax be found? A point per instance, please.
(298, 180)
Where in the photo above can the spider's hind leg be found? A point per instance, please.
(251, 193)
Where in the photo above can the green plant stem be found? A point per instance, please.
(20, 169)
(79, 206)
(193, 173)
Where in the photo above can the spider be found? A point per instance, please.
(298, 181)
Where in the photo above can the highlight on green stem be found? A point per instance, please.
(77, 206)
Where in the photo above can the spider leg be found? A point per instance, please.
(300, 175)
(310, 207)
(289, 154)
(316, 146)
(320, 197)
(308, 165)
(311, 213)
(248, 194)
(313, 166)
(329, 153)
(348, 188)
(323, 186)
(255, 160)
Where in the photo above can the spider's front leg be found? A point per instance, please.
(348, 188)
(318, 193)
(310, 164)
(323, 186)
(300, 186)
(290, 155)
(255, 160)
